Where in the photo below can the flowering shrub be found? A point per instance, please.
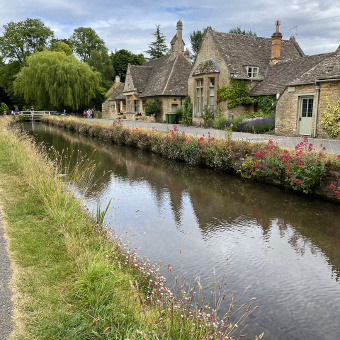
(301, 170)
(331, 121)
(257, 125)
(207, 115)
(336, 188)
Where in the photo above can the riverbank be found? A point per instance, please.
(71, 279)
(301, 169)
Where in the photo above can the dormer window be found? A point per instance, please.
(252, 71)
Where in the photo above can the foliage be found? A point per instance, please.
(331, 120)
(3, 107)
(84, 41)
(153, 107)
(265, 104)
(61, 46)
(120, 60)
(98, 99)
(336, 188)
(236, 94)
(239, 30)
(207, 115)
(220, 123)
(187, 111)
(196, 38)
(101, 62)
(157, 48)
(53, 80)
(301, 170)
(23, 38)
(255, 125)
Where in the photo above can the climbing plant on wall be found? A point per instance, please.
(331, 121)
(236, 94)
(265, 104)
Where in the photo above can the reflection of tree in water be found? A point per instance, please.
(220, 201)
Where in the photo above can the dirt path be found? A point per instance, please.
(6, 307)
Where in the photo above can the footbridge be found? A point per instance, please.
(35, 115)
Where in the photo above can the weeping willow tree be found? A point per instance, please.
(53, 80)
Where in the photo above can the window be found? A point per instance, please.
(307, 107)
(136, 106)
(253, 71)
(199, 95)
(212, 93)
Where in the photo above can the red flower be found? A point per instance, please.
(332, 186)
(336, 193)
(288, 173)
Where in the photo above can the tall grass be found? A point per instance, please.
(75, 281)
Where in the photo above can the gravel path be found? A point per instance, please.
(6, 308)
(332, 146)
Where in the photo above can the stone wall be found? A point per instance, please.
(287, 107)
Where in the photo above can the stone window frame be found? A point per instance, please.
(199, 95)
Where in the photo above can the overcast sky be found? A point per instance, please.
(129, 24)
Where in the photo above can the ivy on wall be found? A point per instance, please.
(265, 104)
(331, 121)
(238, 94)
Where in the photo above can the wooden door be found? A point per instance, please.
(305, 116)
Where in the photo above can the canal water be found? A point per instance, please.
(284, 246)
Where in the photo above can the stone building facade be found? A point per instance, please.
(164, 78)
(226, 56)
(300, 108)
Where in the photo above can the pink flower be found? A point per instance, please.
(288, 173)
(289, 165)
(337, 193)
(332, 186)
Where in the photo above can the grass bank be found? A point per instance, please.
(72, 282)
(301, 170)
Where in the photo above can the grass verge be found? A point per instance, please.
(72, 282)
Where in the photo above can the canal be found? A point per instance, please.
(284, 246)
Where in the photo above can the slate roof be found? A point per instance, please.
(116, 93)
(240, 50)
(278, 76)
(327, 69)
(164, 76)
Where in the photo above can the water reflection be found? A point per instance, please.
(286, 246)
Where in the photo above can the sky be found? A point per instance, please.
(130, 24)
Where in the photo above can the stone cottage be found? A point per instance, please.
(300, 107)
(226, 56)
(165, 78)
(115, 102)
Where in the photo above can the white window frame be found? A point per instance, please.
(252, 71)
(212, 93)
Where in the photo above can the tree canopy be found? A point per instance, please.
(61, 46)
(239, 30)
(196, 38)
(84, 41)
(157, 48)
(54, 80)
(120, 60)
(24, 38)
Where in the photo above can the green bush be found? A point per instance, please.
(153, 107)
(187, 111)
(3, 107)
(220, 123)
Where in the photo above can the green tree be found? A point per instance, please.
(24, 38)
(53, 80)
(153, 107)
(120, 60)
(157, 48)
(239, 30)
(196, 38)
(101, 62)
(84, 41)
(61, 46)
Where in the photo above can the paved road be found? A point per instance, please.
(332, 146)
(6, 308)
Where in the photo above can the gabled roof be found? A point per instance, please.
(114, 92)
(326, 69)
(283, 73)
(240, 50)
(164, 76)
(206, 66)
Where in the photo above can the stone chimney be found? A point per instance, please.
(177, 44)
(117, 79)
(276, 44)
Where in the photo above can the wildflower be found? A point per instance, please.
(337, 193)
(288, 173)
(332, 186)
